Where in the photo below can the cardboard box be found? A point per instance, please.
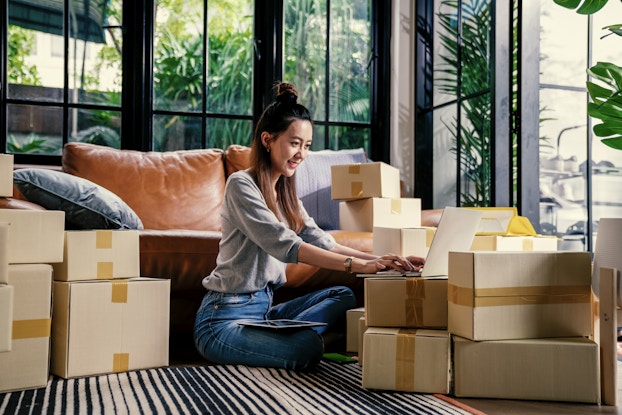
(406, 302)
(364, 215)
(364, 180)
(519, 295)
(4, 252)
(109, 326)
(35, 236)
(99, 254)
(561, 369)
(403, 241)
(352, 328)
(26, 366)
(362, 329)
(6, 317)
(407, 360)
(513, 243)
(6, 175)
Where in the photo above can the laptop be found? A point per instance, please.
(455, 232)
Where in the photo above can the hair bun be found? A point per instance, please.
(286, 93)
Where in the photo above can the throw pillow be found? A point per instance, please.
(86, 204)
(314, 181)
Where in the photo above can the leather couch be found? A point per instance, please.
(178, 196)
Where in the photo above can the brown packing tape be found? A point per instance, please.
(531, 300)
(119, 292)
(356, 189)
(396, 206)
(492, 297)
(120, 362)
(460, 295)
(527, 244)
(405, 360)
(30, 329)
(533, 290)
(354, 169)
(413, 304)
(103, 239)
(105, 270)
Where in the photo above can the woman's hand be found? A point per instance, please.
(417, 261)
(389, 262)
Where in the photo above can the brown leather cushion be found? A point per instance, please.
(11, 203)
(237, 157)
(169, 190)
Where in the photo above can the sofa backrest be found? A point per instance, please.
(167, 190)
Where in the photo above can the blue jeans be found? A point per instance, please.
(220, 339)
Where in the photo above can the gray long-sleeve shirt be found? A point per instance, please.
(255, 244)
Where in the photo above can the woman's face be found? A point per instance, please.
(290, 148)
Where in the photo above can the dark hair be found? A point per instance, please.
(275, 120)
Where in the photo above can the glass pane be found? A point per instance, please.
(305, 52)
(230, 59)
(95, 67)
(563, 155)
(31, 63)
(178, 55)
(444, 172)
(318, 137)
(475, 132)
(96, 127)
(173, 132)
(349, 137)
(350, 49)
(223, 132)
(34, 129)
(475, 54)
(563, 45)
(445, 54)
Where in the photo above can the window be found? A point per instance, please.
(72, 93)
(189, 74)
(581, 178)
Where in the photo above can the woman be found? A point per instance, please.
(264, 227)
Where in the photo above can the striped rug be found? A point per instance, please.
(333, 389)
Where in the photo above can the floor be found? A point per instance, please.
(186, 355)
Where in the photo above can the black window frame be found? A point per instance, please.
(136, 109)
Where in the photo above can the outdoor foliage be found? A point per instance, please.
(472, 86)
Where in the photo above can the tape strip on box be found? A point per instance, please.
(415, 295)
(31, 329)
(120, 362)
(505, 296)
(405, 360)
(119, 292)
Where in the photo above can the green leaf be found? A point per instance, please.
(601, 130)
(588, 6)
(569, 4)
(591, 6)
(614, 142)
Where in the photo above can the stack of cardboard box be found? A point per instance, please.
(521, 323)
(370, 197)
(29, 242)
(72, 302)
(105, 317)
(512, 319)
